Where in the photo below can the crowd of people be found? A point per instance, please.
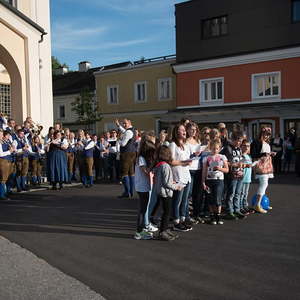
(207, 168)
(194, 176)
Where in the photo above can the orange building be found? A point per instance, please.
(228, 71)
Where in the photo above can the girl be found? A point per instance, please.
(143, 178)
(214, 167)
(181, 173)
(163, 187)
(261, 148)
(246, 181)
(193, 140)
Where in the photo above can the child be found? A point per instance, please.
(247, 161)
(164, 186)
(144, 163)
(233, 180)
(214, 167)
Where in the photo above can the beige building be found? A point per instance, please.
(25, 60)
(143, 92)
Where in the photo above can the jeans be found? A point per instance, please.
(233, 195)
(244, 196)
(143, 203)
(197, 194)
(181, 204)
(216, 192)
(151, 205)
(166, 206)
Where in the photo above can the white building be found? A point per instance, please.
(25, 60)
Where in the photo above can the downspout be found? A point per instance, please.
(40, 80)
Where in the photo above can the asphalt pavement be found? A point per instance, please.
(88, 235)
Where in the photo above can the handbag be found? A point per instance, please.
(264, 165)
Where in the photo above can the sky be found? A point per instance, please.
(110, 31)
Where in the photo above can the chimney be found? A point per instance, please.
(84, 66)
(61, 70)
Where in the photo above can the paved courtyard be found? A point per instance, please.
(87, 235)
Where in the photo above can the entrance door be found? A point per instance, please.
(255, 126)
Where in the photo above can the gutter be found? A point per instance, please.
(24, 18)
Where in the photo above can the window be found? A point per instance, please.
(12, 2)
(5, 103)
(296, 10)
(164, 88)
(140, 92)
(212, 90)
(113, 94)
(62, 113)
(214, 27)
(266, 85)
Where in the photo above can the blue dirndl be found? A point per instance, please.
(57, 166)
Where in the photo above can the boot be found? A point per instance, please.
(84, 180)
(18, 182)
(2, 192)
(131, 185)
(34, 180)
(23, 183)
(91, 181)
(126, 185)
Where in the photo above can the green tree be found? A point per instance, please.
(86, 108)
(56, 64)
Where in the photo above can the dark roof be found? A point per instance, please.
(74, 82)
(22, 16)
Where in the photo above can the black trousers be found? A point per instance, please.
(142, 208)
(166, 203)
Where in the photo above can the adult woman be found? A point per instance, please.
(180, 167)
(57, 161)
(260, 148)
(193, 140)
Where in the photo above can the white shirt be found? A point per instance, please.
(142, 180)
(181, 174)
(195, 163)
(127, 135)
(213, 161)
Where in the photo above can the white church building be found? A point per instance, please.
(25, 61)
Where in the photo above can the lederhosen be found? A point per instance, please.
(5, 163)
(22, 161)
(128, 156)
(36, 162)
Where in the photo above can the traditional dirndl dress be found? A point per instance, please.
(57, 164)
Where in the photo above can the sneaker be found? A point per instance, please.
(245, 212)
(194, 221)
(174, 234)
(188, 224)
(220, 222)
(143, 235)
(165, 236)
(151, 228)
(231, 216)
(200, 220)
(240, 215)
(213, 222)
(123, 196)
(259, 209)
(180, 227)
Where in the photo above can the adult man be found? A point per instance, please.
(127, 156)
(23, 149)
